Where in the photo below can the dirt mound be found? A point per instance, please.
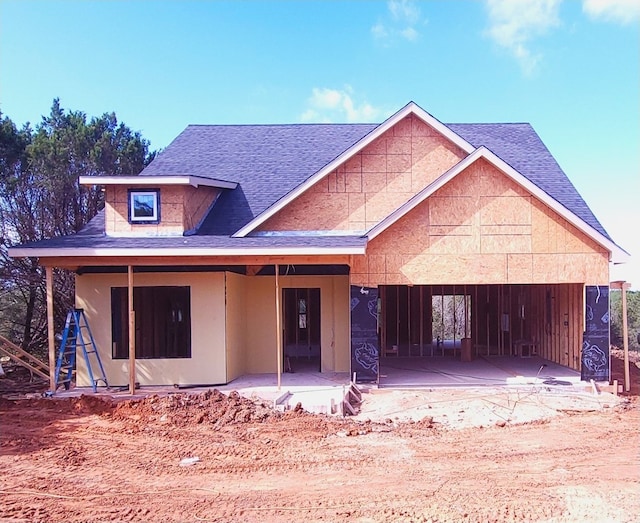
(81, 405)
(210, 407)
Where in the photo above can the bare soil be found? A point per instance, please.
(212, 457)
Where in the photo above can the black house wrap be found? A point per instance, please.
(595, 342)
(364, 334)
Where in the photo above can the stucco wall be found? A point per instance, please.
(481, 228)
(372, 183)
(259, 321)
(207, 363)
(237, 325)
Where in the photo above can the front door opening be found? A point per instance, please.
(301, 330)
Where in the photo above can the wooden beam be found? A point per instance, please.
(51, 339)
(74, 263)
(625, 342)
(624, 287)
(132, 333)
(278, 329)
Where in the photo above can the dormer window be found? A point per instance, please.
(144, 206)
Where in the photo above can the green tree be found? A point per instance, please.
(633, 319)
(41, 198)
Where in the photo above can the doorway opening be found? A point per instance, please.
(424, 320)
(301, 307)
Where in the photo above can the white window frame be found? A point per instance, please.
(155, 206)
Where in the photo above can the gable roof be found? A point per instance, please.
(272, 164)
(482, 152)
(518, 145)
(266, 161)
(376, 132)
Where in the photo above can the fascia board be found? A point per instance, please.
(441, 128)
(410, 108)
(617, 255)
(72, 252)
(194, 181)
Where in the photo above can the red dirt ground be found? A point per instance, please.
(89, 459)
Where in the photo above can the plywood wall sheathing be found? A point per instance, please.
(181, 209)
(372, 183)
(459, 234)
(197, 202)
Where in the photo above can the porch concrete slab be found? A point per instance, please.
(314, 391)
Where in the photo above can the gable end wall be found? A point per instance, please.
(481, 228)
(182, 208)
(372, 183)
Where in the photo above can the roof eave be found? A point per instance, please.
(153, 180)
(98, 252)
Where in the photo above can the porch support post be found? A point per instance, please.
(132, 333)
(625, 338)
(51, 340)
(623, 286)
(278, 328)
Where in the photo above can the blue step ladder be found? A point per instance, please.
(77, 337)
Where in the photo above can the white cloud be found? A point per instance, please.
(332, 105)
(404, 16)
(622, 11)
(404, 11)
(513, 24)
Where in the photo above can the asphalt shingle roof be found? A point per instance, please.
(93, 237)
(269, 161)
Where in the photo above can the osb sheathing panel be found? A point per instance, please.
(197, 202)
(376, 181)
(171, 213)
(459, 235)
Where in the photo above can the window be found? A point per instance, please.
(163, 322)
(144, 206)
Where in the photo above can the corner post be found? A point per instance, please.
(625, 338)
(278, 328)
(132, 333)
(51, 340)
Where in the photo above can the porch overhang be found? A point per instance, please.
(142, 180)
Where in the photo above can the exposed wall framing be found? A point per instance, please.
(546, 319)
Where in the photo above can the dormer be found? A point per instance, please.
(156, 205)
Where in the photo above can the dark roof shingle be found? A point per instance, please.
(269, 161)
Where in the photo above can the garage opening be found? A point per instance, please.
(499, 320)
(301, 325)
(464, 323)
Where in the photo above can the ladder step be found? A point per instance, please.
(75, 325)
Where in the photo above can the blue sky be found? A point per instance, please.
(571, 68)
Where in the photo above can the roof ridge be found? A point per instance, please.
(327, 124)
